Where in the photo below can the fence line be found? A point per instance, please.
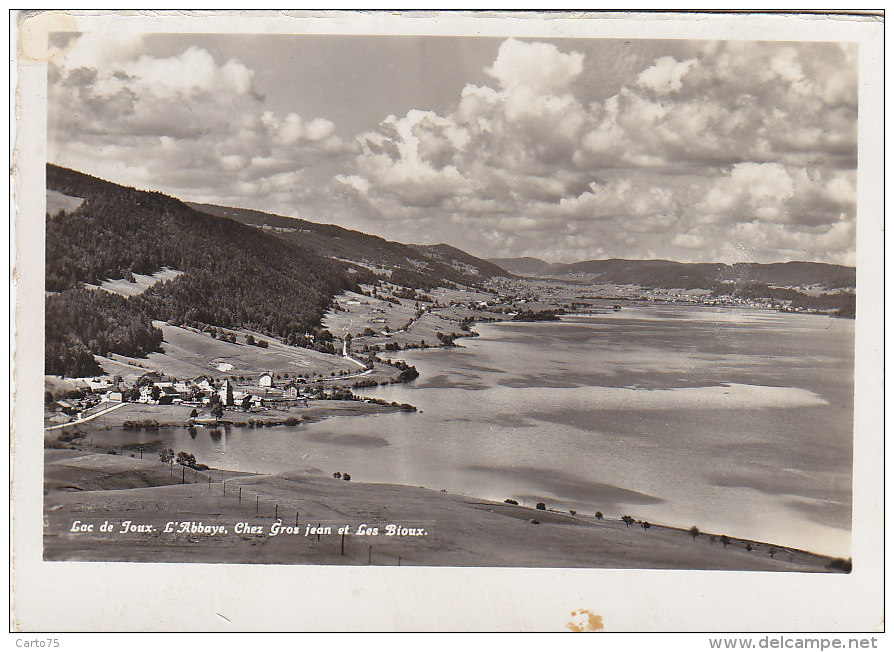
(275, 502)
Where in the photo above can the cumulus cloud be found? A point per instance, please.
(749, 140)
(665, 76)
(542, 67)
(187, 123)
(724, 150)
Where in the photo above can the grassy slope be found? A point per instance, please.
(188, 354)
(142, 282)
(57, 202)
(462, 531)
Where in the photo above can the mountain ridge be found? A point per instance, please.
(668, 273)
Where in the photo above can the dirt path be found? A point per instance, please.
(86, 419)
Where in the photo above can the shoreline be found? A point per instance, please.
(129, 420)
(312, 417)
(96, 487)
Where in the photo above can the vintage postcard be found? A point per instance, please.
(452, 321)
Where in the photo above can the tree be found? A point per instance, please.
(646, 525)
(166, 456)
(337, 475)
(246, 402)
(156, 392)
(724, 540)
(541, 506)
(250, 340)
(598, 516)
(628, 520)
(217, 410)
(186, 459)
(694, 531)
(346, 477)
(194, 413)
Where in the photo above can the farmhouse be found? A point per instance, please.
(266, 380)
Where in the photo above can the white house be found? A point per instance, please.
(113, 396)
(266, 380)
(290, 392)
(96, 384)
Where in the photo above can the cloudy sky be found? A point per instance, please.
(562, 149)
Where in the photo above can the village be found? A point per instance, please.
(155, 399)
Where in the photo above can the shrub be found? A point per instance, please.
(694, 531)
(541, 506)
(336, 475)
(509, 501)
(534, 521)
(346, 477)
(186, 459)
(598, 516)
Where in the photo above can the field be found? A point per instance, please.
(142, 282)
(57, 202)
(190, 354)
(458, 530)
(358, 312)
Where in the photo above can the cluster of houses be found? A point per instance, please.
(155, 389)
(201, 391)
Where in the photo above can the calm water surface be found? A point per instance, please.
(737, 421)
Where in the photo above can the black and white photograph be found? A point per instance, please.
(509, 298)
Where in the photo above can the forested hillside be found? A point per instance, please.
(417, 266)
(234, 275)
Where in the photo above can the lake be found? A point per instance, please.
(737, 421)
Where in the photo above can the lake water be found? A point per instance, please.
(738, 421)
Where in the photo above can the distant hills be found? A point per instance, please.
(410, 265)
(671, 274)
